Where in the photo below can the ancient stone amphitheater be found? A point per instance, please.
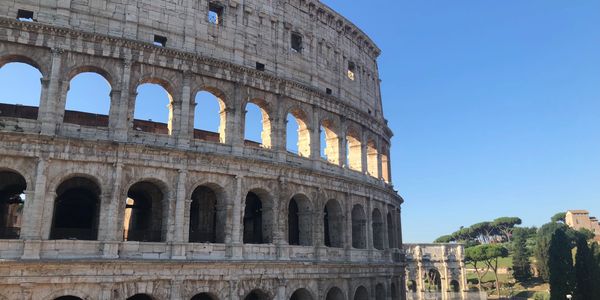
(110, 206)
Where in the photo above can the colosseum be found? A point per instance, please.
(110, 206)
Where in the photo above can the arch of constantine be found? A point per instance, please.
(111, 206)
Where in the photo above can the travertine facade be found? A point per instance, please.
(109, 207)
(437, 271)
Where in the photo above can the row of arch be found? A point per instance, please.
(88, 98)
(77, 206)
(334, 293)
(432, 283)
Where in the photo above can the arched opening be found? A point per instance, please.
(433, 281)
(68, 298)
(354, 151)
(454, 286)
(210, 117)
(385, 165)
(301, 294)
(153, 108)
(372, 166)
(361, 293)
(330, 145)
(333, 225)
(140, 297)
(88, 100)
(76, 210)
(391, 231)
(143, 221)
(204, 296)
(297, 133)
(394, 291)
(207, 221)
(377, 229)
(379, 292)
(257, 295)
(21, 90)
(257, 129)
(335, 294)
(299, 221)
(411, 286)
(257, 220)
(12, 201)
(359, 227)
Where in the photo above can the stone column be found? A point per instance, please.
(33, 212)
(186, 130)
(180, 201)
(50, 118)
(315, 134)
(235, 118)
(121, 113)
(379, 161)
(343, 140)
(369, 227)
(109, 212)
(363, 152)
(348, 231)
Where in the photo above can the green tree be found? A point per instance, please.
(595, 250)
(584, 269)
(521, 264)
(559, 217)
(505, 226)
(542, 243)
(444, 239)
(560, 265)
(488, 255)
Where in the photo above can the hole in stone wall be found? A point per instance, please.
(207, 223)
(296, 42)
(12, 202)
(20, 90)
(160, 40)
(333, 225)
(361, 293)
(210, 117)
(215, 13)
(260, 66)
(359, 227)
(143, 213)
(328, 91)
(377, 227)
(25, 15)
(351, 70)
(88, 100)
(76, 210)
(153, 111)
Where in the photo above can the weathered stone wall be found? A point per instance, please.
(51, 146)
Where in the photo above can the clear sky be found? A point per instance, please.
(495, 106)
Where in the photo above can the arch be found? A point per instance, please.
(68, 298)
(377, 227)
(379, 292)
(299, 141)
(210, 116)
(454, 286)
(372, 159)
(140, 297)
(12, 202)
(207, 215)
(433, 281)
(88, 98)
(385, 164)
(391, 231)
(204, 296)
(335, 294)
(394, 291)
(257, 294)
(151, 93)
(21, 86)
(359, 228)
(333, 224)
(76, 209)
(258, 218)
(361, 293)
(330, 144)
(144, 212)
(301, 294)
(411, 286)
(353, 150)
(253, 109)
(299, 221)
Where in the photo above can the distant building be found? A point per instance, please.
(578, 219)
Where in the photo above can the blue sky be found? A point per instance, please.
(495, 106)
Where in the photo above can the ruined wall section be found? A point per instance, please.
(250, 32)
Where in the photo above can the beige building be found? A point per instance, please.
(578, 219)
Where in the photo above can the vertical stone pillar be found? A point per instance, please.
(235, 119)
(348, 231)
(186, 130)
(379, 160)
(281, 291)
(109, 225)
(343, 141)
(180, 201)
(120, 114)
(50, 118)
(32, 214)
(235, 247)
(369, 226)
(363, 152)
(315, 135)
